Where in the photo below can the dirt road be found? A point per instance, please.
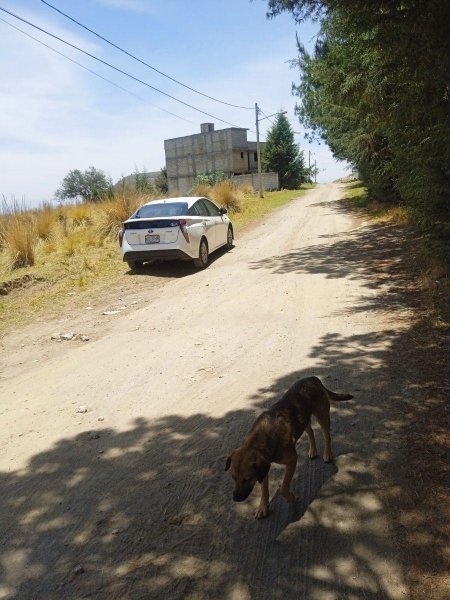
(130, 500)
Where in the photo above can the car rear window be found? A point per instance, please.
(164, 209)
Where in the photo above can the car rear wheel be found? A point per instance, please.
(202, 261)
(229, 238)
(135, 264)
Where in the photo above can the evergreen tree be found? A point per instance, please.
(282, 155)
(376, 89)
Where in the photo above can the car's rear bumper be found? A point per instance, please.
(173, 254)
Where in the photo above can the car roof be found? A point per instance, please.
(190, 200)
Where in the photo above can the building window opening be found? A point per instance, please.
(242, 155)
(255, 156)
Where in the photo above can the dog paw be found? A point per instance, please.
(312, 455)
(262, 512)
(289, 497)
(327, 459)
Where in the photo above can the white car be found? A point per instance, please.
(175, 228)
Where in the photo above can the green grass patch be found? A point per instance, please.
(254, 208)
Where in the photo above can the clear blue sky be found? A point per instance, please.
(54, 116)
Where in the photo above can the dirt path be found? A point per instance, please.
(133, 491)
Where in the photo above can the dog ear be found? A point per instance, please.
(262, 469)
(228, 463)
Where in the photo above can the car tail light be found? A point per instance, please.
(120, 237)
(184, 231)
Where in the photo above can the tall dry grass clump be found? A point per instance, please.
(45, 219)
(112, 213)
(247, 188)
(80, 214)
(18, 239)
(17, 234)
(201, 189)
(226, 194)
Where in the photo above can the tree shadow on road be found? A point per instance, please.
(147, 513)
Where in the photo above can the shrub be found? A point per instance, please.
(18, 237)
(201, 189)
(79, 214)
(112, 213)
(247, 188)
(210, 178)
(45, 219)
(227, 195)
(77, 239)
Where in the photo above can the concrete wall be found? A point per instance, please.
(192, 155)
(224, 150)
(269, 180)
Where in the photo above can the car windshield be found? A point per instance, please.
(163, 209)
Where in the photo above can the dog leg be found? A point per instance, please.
(312, 453)
(324, 422)
(263, 508)
(290, 462)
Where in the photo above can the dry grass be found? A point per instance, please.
(226, 194)
(77, 240)
(380, 212)
(246, 188)
(432, 274)
(112, 213)
(45, 219)
(201, 189)
(80, 214)
(18, 239)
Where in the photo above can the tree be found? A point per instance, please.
(376, 90)
(143, 183)
(160, 182)
(282, 155)
(91, 185)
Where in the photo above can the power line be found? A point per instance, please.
(95, 73)
(117, 69)
(142, 61)
(270, 118)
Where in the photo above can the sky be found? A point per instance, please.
(56, 116)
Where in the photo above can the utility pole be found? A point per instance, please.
(315, 171)
(261, 193)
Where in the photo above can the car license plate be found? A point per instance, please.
(152, 239)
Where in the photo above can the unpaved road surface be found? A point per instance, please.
(130, 500)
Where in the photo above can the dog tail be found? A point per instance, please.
(338, 397)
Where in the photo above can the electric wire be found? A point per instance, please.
(95, 73)
(269, 118)
(142, 61)
(117, 68)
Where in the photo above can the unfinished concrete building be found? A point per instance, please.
(226, 150)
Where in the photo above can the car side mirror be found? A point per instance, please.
(223, 211)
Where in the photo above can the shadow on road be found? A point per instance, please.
(175, 269)
(147, 512)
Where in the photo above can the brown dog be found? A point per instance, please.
(274, 435)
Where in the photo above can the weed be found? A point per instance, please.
(227, 195)
(247, 188)
(201, 189)
(45, 219)
(80, 214)
(112, 213)
(18, 238)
